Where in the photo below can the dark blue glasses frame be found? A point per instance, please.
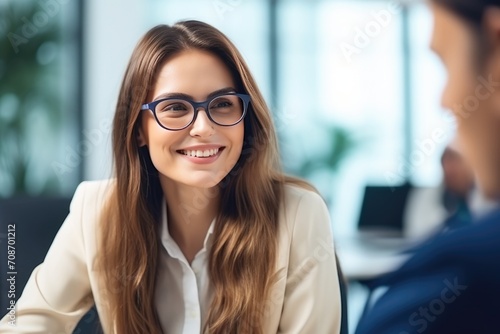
(196, 106)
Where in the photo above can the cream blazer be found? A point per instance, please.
(305, 299)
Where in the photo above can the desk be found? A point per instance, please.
(363, 257)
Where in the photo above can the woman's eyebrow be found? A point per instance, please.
(221, 91)
(189, 97)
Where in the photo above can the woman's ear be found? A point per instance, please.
(141, 139)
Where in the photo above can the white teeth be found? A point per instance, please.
(200, 153)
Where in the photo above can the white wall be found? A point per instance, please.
(111, 30)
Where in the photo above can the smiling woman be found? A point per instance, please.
(200, 231)
(215, 124)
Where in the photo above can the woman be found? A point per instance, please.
(451, 284)
(200, 231)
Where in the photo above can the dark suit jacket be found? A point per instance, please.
(451, 285)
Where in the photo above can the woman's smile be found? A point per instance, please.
(202, 154)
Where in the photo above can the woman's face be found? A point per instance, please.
(472, 95)
(180, 156)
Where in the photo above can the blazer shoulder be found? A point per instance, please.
(304, 211)
(295, 195)
(97, 188)
(89, 199)
(93, 192)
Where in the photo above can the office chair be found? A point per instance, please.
(37, 220)
(344, 328)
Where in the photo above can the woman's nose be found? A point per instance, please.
(202, 126)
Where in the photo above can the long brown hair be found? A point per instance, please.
(243, 254)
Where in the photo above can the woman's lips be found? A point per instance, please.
(201, 156)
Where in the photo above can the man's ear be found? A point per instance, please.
(492, 21)
(492, 28)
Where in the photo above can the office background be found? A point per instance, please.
(352, 84)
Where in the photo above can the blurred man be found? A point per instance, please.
(452, 285)
(458, 187)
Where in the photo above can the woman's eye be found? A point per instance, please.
(174, 107)
(222, 104)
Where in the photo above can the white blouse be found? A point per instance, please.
(183, 291)
(304, 299)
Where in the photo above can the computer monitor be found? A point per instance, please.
(382, 209)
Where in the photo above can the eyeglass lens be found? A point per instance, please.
(177, 113)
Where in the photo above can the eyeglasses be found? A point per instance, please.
(178, 113)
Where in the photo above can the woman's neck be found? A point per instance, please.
(190, 211)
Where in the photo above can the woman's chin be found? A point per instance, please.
(203, 182)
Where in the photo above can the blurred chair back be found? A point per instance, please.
(36, 220)
(344, 328)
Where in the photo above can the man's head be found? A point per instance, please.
(466, 37)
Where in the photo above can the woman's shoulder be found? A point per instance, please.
(97, 188)
(299, 194)
(303, 209)
(305, 226)
(90, 196)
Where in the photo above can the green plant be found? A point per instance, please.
(340, 145)
(318, 164)
(29, 80)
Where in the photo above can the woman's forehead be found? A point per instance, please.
(193, 72)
